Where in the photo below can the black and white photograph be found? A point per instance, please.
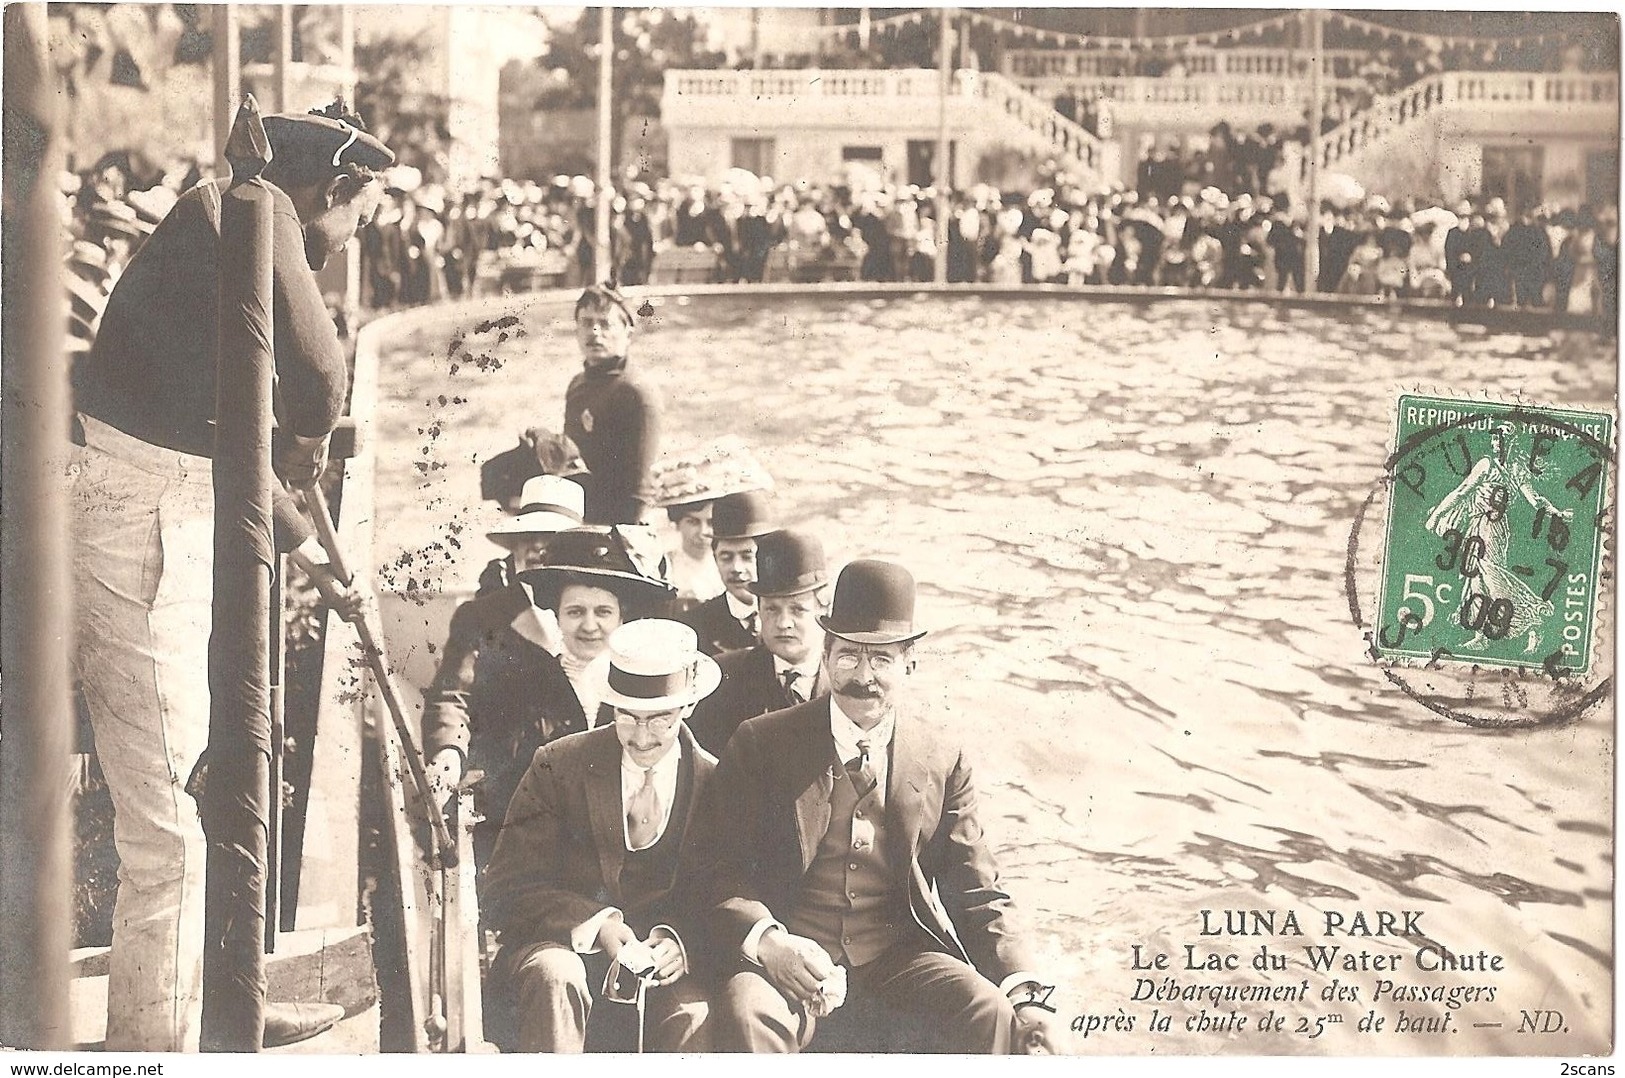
(878, 531)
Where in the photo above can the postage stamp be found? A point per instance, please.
(1493, 545)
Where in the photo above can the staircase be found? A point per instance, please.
(1069, 141)
(1375, 126)
(1374, 129)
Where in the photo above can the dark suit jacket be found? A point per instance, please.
(714, 624)
(558, 861)
(749, 688)
(770, 809)
(498, 695)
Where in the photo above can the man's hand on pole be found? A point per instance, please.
(445, 771)
(299, 461)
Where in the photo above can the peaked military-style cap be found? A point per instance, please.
(309, 143)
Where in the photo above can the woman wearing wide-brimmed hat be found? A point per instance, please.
(509, 682)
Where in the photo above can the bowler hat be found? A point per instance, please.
(874, 604)
(547, 504)
(623, 559)
(653, 665)
(744, 515)
(788, 563)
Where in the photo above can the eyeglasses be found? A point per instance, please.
(879, 661)
(658, 725)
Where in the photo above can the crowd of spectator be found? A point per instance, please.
(1195, 221)
(1199, 221)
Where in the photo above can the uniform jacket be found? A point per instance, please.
(750, 687)
(716, 626)
(614, 418)
(771, 808)
(498, 695)
(558, 862)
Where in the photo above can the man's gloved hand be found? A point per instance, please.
(353, 602)
(444, 772)
(299, 461)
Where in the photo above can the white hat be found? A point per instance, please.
(653, 665)
(547, 504)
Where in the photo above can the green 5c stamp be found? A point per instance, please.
(1492, 553)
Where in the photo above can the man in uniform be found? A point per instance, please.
(610, 413)
(854, 886)
(143, 509)
(729, 621)
(589, 872)
(784, 668)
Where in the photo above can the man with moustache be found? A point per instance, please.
(846, 838)
(784, 668)
(728, 622)
(593, 871)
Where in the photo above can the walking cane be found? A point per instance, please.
(445, 1023)
(372, 644)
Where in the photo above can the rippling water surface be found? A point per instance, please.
(1129, 524)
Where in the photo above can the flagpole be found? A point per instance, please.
(1317, 66)
(944, 171)
(602, 265)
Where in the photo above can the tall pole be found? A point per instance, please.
(235, 802)
(944, 170)
(1317, 73)
(228, 80)
(284, 58)
(601, 264)
(37, 635)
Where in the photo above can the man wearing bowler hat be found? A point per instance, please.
(854, 889)
(143, 507)
(588, 884)
(729, 621)
(785, 667)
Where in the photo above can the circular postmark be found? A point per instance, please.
(1480, 565)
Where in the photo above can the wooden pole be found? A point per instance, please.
(944, 170)
(601, 265)
(37, 635)
(1316, 20)
(236, 796)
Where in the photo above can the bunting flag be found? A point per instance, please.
(849, 32)
(1066, 39)
(1349, 22)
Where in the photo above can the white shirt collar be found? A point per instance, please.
(808, 669)
(737, 609)
(665, 777)
(847, 734)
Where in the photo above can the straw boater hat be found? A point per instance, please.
(788, 563)
(653, 665)
(624, 559)
(547, 504)
(874, 604)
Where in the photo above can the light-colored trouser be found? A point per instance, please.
(143, 525)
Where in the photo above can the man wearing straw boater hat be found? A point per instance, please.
(855, 891)
(591, 882)
(513, 674)
(546, 504)
(729, 621)
(785, 667)
(143, 506)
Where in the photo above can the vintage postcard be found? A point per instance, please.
(1072, 530)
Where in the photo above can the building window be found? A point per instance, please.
(870, 154)
(753, 155)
